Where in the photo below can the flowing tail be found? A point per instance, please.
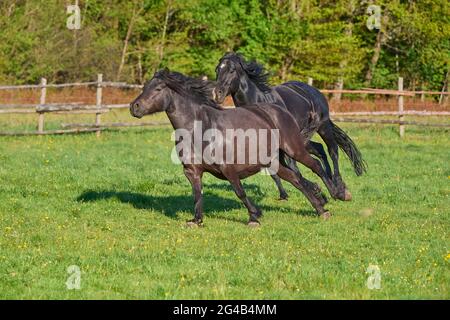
(349, 147)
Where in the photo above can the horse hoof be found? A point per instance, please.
(194, 224)
(253, 224)
(347, 196)
(325, 215)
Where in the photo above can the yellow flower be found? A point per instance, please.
(447, 257)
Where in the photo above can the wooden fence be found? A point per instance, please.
(100, 108)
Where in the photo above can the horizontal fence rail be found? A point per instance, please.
(115, 124)
(100, 108)
(124, 85)
(399, 122)
(394, 113)
(40, 86)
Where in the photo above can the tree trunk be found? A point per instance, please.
(444, 98)
(75, 36)
(140, 70)
(126, 41)
(339, 85)
(375, 57)
(164, 32)
(10, 10)
(285, 68)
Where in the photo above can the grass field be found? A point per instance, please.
(116, 207)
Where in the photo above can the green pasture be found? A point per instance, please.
(116, 207)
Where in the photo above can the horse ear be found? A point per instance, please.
(162, 72)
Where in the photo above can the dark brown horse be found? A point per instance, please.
(186, 103)
(247, 83)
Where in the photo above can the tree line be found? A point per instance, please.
(331, 41)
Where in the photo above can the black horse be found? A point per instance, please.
(185, 101)
(247, 83)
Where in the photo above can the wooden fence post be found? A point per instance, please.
(400, 106)
(42, 102)
(422, 95)
(99, 101)
(444, 98)
(310, 81)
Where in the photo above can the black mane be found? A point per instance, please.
(196, 89)
(255, 71)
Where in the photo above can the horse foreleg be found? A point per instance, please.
(253, 211)
(283, 193)
(194, 176)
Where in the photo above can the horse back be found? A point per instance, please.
(301, 99)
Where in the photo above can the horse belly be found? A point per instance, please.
(245, 171)
(215, 170)
(242, 170)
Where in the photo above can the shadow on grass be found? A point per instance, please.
(170, 205)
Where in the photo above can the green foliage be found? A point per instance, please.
(326, 40)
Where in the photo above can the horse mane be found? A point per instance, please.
(198, 90)
(254, 70)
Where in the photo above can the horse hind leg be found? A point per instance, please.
(326, 132)
(317, 150)
(309, 189)
(292, 165)
(298, 152)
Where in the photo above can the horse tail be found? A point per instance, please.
(349, 147)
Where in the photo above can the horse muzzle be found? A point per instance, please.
(134, 107)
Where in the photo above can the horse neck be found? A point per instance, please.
(182, 112)
(247, 93)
